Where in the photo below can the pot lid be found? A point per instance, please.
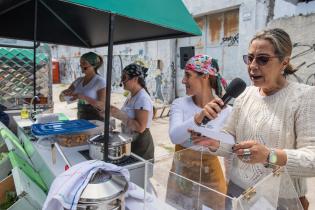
(115, 139)
(104, 186)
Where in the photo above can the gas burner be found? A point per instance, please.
(121, 162)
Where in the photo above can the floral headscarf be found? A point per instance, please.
(136, 70)
(206, 65)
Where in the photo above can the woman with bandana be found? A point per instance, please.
(90, 90)
(137, 111)
(201, 79)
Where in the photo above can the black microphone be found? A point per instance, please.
(120, 84)
(233, 90)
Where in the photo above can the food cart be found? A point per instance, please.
(93, 24)
(162, 185)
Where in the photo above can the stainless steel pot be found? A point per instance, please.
(105, 191)
(119, 146)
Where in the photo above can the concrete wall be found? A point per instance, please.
(159, 81)
(292, 9)
(252, 17)
(301, 30)
(162, 82)
(299, 21)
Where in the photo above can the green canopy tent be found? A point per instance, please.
(95, 23)
(84, 23)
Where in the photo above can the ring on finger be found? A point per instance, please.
(246, 152)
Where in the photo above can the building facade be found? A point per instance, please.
(227, 26)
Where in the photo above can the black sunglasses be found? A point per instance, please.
(124, 78)
(260, 59)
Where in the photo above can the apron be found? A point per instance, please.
(142, 144)
(88, 112)
(184, 194)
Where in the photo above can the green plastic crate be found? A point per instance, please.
(16, 161)
(7, 134)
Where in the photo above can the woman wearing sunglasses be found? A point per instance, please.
(137, 112)
(273, 121)
(90, 90)
(202, 79)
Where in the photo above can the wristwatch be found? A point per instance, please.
(271, 159)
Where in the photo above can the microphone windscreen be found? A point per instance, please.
(235, 88)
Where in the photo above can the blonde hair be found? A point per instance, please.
(281, 42)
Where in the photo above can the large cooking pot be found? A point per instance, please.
(119, 146)
(105, 191)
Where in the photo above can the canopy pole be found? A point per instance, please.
(108, 83)
(34, 51)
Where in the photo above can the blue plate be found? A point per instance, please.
(61, 127)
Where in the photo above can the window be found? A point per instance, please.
(223, 27)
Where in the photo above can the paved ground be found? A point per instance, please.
(159, 130)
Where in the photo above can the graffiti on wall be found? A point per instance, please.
(303, 58)
(158, 81)
(230, 40)
(69, 69)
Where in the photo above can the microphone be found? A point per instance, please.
(123, 82)
(233, 90)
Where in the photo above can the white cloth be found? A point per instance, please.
(91, 88)
(140, 101)
(66, 189)
(182, 115)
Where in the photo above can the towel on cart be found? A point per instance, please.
(67, 187)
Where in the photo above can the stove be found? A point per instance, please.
(127, 160)
(134, 163)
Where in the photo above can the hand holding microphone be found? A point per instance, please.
(211, 110)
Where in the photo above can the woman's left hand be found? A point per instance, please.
(251, 152)
(197, 138)
(118, 114)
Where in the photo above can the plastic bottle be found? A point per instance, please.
(24, 112)
(126, 93)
